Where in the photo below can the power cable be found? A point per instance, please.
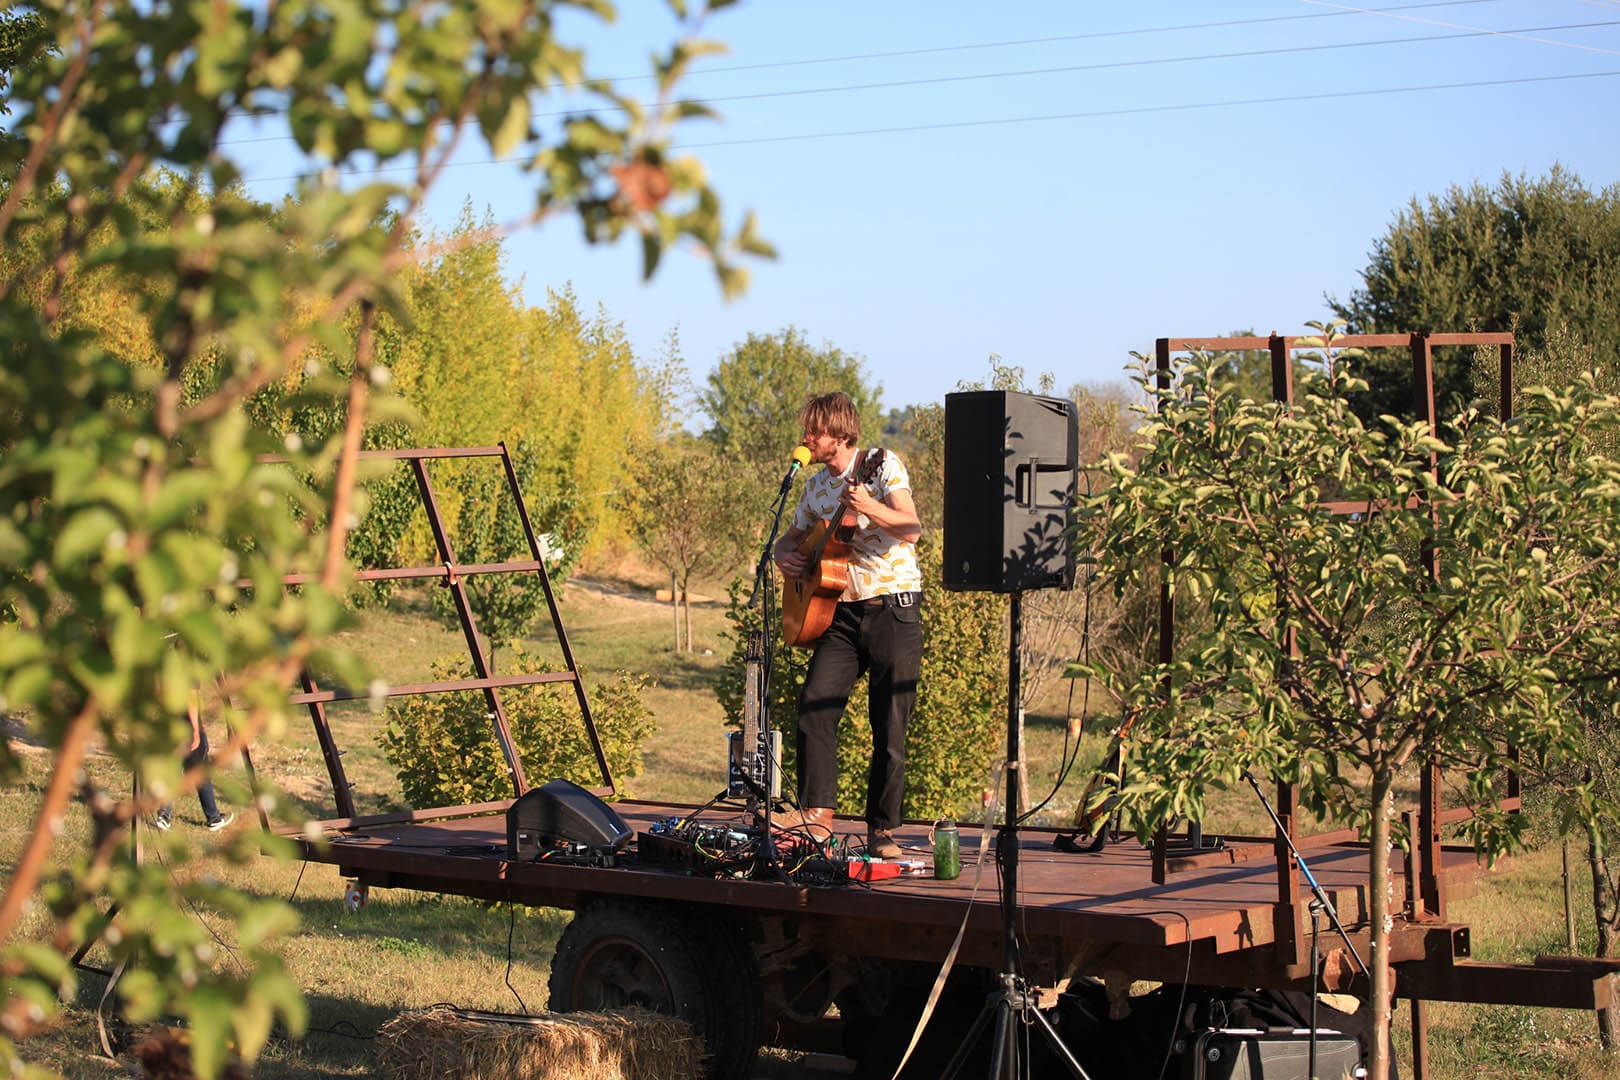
(511, 925)
(1101, 113)
(1111, 65)
(1181, 1002)
(1019, 42)
(1047, 118)
(1244, 54)
(1349, 9)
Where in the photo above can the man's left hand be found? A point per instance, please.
(858, 497)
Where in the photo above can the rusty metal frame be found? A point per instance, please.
(451, 574)
(1428, 900)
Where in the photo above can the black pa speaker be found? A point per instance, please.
(1011, 471)
(561, 812)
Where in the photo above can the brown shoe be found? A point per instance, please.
(814, 821)
(880, 845)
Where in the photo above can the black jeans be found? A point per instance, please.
(884, 642)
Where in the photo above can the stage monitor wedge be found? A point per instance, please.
(1011, 473)
(561, 812)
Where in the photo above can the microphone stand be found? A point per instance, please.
(760, 597)
(1320, 904)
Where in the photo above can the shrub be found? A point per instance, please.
(443, 748)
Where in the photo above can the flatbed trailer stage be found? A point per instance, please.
(793, 951)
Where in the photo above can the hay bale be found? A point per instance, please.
(442, 1043)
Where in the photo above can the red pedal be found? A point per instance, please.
(860, 870)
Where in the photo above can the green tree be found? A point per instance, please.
(1529, 255)
(133, 508)
(1565, 358)
(589, 410)
(684, 514)
(1332, 656)
(22, 41)
(754, 394)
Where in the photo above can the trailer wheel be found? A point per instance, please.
(734, 975)
(617, 954)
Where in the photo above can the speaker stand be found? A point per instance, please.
(1011, 1000)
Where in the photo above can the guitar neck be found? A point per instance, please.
(845, 519)
(753, 667)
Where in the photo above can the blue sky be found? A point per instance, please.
(967, 228)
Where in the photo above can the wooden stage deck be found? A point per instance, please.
(1077, 913)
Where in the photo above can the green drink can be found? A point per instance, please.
(947, 850)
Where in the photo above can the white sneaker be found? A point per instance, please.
(161, 822)
(215, 826)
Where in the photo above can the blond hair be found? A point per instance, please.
(832, 414)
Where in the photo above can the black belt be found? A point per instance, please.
(898, 599)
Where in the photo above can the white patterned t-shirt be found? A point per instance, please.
(879, 562)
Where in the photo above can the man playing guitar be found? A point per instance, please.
(876, 628)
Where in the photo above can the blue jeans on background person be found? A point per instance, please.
(205, 791)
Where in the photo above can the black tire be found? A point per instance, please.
(616, 954)
(734, 973)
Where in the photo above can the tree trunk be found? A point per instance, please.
(1604, 915)
(1380, 906)
(675, 606)
(1570, 942)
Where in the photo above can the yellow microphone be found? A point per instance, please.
(801, 458)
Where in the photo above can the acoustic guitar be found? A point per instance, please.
(810, 600)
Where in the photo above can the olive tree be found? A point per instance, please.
(141, 542)
(1336, 652)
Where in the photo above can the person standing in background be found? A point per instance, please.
(196, 754)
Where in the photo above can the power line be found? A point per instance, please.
(964, 47)
(1144, 109)
(1243, 54)
(1283, 50)
(1092, 115)
(1348, 9)
(1060, 38)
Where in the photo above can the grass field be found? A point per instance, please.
(408, 950)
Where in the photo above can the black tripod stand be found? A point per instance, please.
(1011, 1003)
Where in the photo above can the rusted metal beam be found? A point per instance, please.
(1290, 914)
(1549, 985)
(1295, 342)
(342, 793)
(443, 687)
(397, 817)
(420, 453)
(1282, 370)
(1420, 1041)
(412, 573)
